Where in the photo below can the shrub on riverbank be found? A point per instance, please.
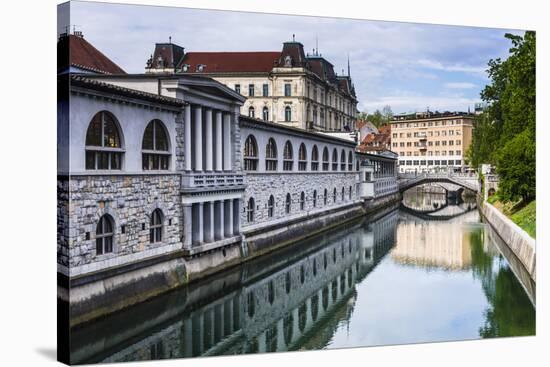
(524, 215)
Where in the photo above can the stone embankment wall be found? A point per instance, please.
(519, 242)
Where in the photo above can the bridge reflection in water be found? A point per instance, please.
(339, 289)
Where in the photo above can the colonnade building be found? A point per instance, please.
(290, 87)
(161, 181)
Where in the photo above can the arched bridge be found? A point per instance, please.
(466, 180)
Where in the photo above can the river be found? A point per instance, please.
(425, 272)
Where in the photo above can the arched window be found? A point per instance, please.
(343, 161)
(325, 197)
(154, 147)
(314, 159)
(288, 204)
(288, 159)
(251, 112)
(334, 160)
(270, 206)
(314, 198)
(325, 159)
(250, 154)
(155, 226)
(104, 235)
(302, 158)
(271, 155)
(265, 114)
(350, 161)
(288, 114)
(302, 200)
(250, 210)
(350, 192)
(103, 144)
(334, 196)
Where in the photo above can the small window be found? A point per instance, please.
(334, 195)
(271, 155)
(325, 159)
(350, 161)
(302, 158)
(288, 114)
(288, 159)
(251, 112)
(314, 198)
(325, 197)
(265, 90)
(343, 194)
(250, 210)
(315, 159)
(265, 114)
(250, 154)
(270, 206)
(302, 200)
(287, 90)
(288, 204)
(334, 160)
(251, 90)
(238, 88)
(155, 226)
(104, 235)
(343, 161)
(350, 192)
(103, 143)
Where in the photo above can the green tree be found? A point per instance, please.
(376, 118)
(387, 114)
(504, 134)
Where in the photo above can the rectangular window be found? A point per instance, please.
(238, 88)
(251, 90)
(265, 90)
(287, 90)
(430, 163)
(458, 162)
(437, 162)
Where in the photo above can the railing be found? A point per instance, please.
(466, 179)
(211, 179)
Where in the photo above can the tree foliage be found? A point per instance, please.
(504, 133)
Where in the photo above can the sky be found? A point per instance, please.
(408, 66)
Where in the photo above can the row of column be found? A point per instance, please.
(210, 221)
(384, 169)
(208, 131)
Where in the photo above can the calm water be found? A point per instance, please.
(403, 278)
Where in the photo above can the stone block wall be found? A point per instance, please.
(130, 200)
(261, 186)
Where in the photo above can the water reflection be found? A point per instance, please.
(397, 279)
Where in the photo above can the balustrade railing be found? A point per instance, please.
(211, 179)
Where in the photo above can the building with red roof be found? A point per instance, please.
(289, 86)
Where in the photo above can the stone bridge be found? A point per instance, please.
(466, 180)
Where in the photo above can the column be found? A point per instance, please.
(219, 141)
(187, 225)
(219, 220)
(187, 124)
(198, 137)
(236, 216)
(198, 234)
(227, 159)
(209, 221)
(209, 146)
(228, 218)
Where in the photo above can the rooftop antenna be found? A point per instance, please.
(316, 46)
(293, 39)
(349, 74)
(169, 39)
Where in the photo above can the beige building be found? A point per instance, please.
(428, 141)
(286, 87)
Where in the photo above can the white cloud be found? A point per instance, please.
(459, 85)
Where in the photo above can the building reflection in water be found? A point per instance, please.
(284, 301)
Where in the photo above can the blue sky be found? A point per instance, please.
(408, 66)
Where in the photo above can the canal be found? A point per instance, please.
(426, 271)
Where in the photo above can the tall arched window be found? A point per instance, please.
(270, 206)
(334, 196)
(314, 198)
(325, 159)
(250, 210)
(302, 158)
(251, 112)
(343, 194)
(288, 159)
(343, 161)
(265, 114)
(288, 203)
(103, 143)
(302, 200)
(325, 197)
(335, 160)
(314, 159)
(104, 235)
(250, 154)
(155, 226)
(155, 154)
(350, 161)
(271, 155)
(288, 114)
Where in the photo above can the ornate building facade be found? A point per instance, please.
(288, 87)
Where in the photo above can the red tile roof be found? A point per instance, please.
(76, 51)
(231, 62)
